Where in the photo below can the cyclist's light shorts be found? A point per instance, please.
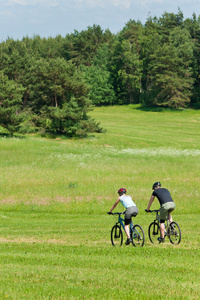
(130, 212)
(165, 209)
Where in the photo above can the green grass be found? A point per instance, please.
(54, 195)
(53, 256)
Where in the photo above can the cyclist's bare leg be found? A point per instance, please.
(170, 217)
(162, 230)
(127, 231)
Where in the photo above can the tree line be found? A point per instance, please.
(50, 84)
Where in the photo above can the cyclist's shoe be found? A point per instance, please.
(128, 241)
(161, 240)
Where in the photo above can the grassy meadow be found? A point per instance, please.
(54, 195)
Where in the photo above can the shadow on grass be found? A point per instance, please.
(8, 135)
(195, 106)
(158, 109)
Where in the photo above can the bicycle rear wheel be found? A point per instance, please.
(137, 236)
(116, 236)
(154, 232)
(174, 233)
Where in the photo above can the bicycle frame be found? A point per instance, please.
(157, 220)
(172, 230)
(121, 221)
(136, 232)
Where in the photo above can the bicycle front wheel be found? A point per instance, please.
(154, 232)
(174, 233)
(137, 236)
(116, 236)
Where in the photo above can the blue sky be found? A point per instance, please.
(19, 18)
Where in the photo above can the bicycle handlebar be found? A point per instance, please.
(116, 213)
(151, 211)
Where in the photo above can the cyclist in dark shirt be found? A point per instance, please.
(167, 205)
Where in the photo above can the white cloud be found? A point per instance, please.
(90, 3)
(71, 3)
(104, 3)
(98, 3)
(125, 3)
(146, 2)
(7, 13)
(20, 2)
(33, 2)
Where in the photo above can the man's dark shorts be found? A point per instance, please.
(130, 212)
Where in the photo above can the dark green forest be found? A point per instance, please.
(50, 84)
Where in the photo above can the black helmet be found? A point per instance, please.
(156, 184)
(122, 191)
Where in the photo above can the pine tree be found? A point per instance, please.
(171, 81)
(10, 103)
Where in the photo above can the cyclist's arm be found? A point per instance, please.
(150, 202)
(115, 204)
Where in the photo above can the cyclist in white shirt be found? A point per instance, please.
(131, 210)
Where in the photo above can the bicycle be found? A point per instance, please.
(136, 232)
(172, 230)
